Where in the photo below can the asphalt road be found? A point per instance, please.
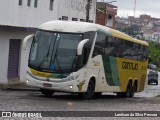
(34, 100)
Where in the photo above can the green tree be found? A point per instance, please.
(154, 52)
(130, 30)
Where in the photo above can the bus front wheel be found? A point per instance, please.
(90, 91)
(47, 93)
(97, 94)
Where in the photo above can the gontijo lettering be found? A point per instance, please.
(130, 66)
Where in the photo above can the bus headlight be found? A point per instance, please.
(70, 86)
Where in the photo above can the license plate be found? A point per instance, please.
(47, 85)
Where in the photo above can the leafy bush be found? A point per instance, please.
(154, 53)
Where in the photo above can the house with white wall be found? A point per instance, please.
(156, 36)
(20, 18)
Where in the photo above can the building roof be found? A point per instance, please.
(110, 9)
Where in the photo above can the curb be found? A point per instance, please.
(18, 86)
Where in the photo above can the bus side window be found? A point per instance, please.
(141, 53)
(95, 52)
(145, 57)
(87, 47)
(99, 48)
(127, 50)
(118, 47)
(108, 45)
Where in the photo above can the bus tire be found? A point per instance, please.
(135, 85)
(47, 93)
(133, 89)
(90, 91)
(120, 94)
(129, 92)
(97, 94)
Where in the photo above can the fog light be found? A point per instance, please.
(27, 81)
(71, 86)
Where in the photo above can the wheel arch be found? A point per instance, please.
(129, 82)
(90, 78)
(93, 78)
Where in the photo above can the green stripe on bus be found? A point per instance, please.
(108, 70)
(114, 68)
(111, 70)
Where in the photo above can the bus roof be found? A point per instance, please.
(81, 27)
(68, 26)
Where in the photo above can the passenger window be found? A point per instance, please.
(99, 45)
(116, 47)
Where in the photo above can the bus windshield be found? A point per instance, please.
(54, 52)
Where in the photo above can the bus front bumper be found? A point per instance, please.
(67, 86)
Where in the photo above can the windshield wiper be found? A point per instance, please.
(58, 64)
(48, 51)
(55, 56)
(74, 62)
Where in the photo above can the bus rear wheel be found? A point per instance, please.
(47, 93)
(129, 91)
(90, 91)
(134, 89)
(120, 94)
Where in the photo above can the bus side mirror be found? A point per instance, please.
(80, 46)
(26, 40)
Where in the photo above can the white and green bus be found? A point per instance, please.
(87, 59)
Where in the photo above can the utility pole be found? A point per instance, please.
(135, 9)
(87, 10)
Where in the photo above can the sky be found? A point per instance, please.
(126, 7)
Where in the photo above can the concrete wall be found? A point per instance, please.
(14, 15)
(5, 36)
(4, 50)
(76, 8)
(28, 16)
(25, 16)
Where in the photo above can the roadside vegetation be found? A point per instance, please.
(154, 53)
